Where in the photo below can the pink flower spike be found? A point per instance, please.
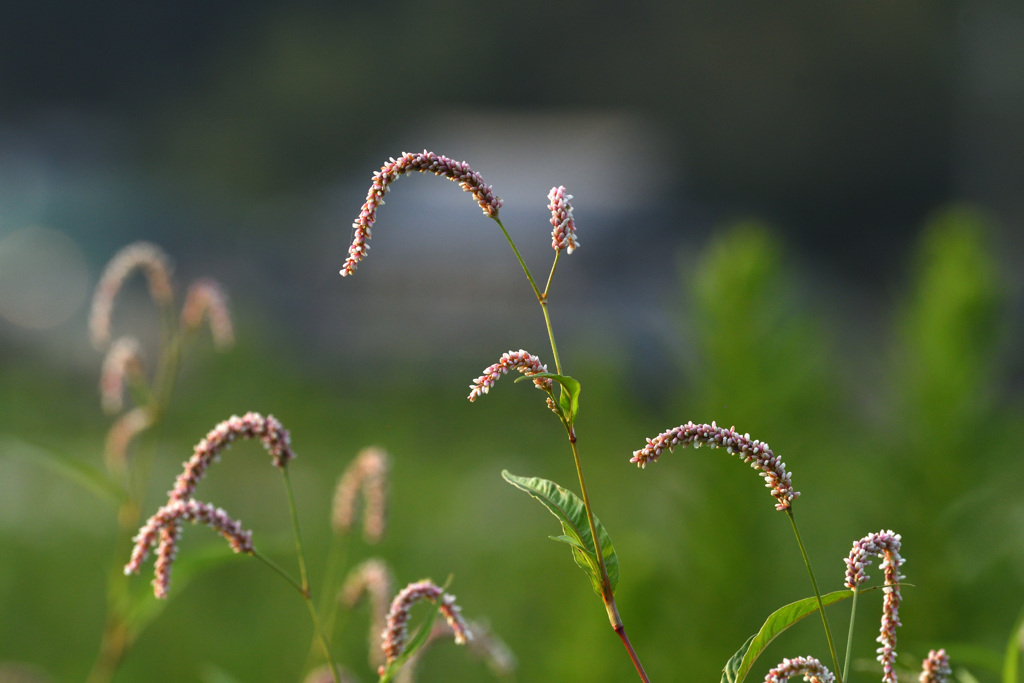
(139, 255)
(166, 523)
(812, 669)
(457, 171)
(935, 668)
(367, 474)
(756, 453)
(520, 360)
(396, 632)
(885, 544)
(206, 297)
(268, 430)
(373, 579)
(563, 235)
(122, 360)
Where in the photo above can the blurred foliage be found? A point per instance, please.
(704, 557)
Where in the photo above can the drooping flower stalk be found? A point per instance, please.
(396, 631)
(170, 518)
(754, 452)
(812, 670)
(373, 579)
(457, 171)
(205, 297)
(268, 430)
(935, 668)
(884, 544)
(523, 361)
(368, 475)
(156, 265)
(123, 361)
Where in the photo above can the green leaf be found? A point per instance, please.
(570, 511)
(415, 643)
(1011, 662)
(738, 666)
(73, 469)
(568, 397)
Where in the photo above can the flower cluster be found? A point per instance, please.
(813, 671)
(267, 429)
(885, 544)
(139, 255)
(396, 632)
(563, 235)
(181, 507)
(756, 453)
(188, 511)
(935, 668)
(205, 297)
(367, 474)
(373, 579)
(124, 358)
(457, 171)
(520, 360)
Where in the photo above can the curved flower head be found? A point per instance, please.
(563, 233)
(373, 579)
(523, 361)
(152, 260)
(396, 631)
(123, 359)
(756, 453)
(367, 474)
(884, 544)
(268, 430)
(205, 297)
(812, 670)
(426, 162)
(166, 524)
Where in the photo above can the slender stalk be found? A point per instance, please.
(533, 283)
(817, 595)
(118, 634)
(551, 275)
(304, 587)
(849, 636)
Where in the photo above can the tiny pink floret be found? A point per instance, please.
(756, 453)
(523, 361)
(425, 162)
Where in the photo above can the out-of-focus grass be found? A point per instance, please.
(933, 454)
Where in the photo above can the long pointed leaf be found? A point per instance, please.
(74, 469)
(570, 511)
(739, 664)
(1011, 662)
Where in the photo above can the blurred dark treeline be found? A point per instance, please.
(831, 119)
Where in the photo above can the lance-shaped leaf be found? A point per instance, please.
(1013, 649)
(738, 666)
(570, 511)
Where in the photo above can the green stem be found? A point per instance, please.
(304, 587)
(817, 595)
(849, 635)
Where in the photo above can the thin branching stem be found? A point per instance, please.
(304, 587)
(849, 635)
(817, 595)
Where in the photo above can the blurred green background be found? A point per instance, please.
(801, 219)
